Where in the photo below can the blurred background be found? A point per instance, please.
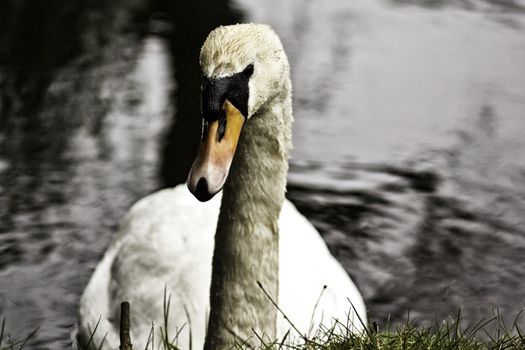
(409, 143)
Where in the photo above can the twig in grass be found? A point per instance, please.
(521, 335)
(102, 342)
(92, 334)
(189, 325)
(150, 337)
(2, 331)
(166, 310)
(28, 337)
(310, 328)
(258, 336)
(284, 338)
(16, 343)
(125, 339)
(365, 326)
(281, 311)
(165, 338)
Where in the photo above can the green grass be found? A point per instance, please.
(447, 335)
(452, 334)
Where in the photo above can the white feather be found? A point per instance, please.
(167, 240)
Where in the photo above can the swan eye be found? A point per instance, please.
(222, 126)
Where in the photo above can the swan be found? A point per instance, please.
(214, 269)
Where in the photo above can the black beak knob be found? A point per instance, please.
(201, 191)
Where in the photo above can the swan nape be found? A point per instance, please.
(213, 268)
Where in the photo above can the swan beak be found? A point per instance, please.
(215, 155)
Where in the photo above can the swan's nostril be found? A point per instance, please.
(201, 191)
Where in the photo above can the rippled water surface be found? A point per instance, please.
(409, 147)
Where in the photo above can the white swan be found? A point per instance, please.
(167, 238)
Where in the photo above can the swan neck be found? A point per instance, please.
(247, 238)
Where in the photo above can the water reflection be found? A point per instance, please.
(498, 5)
(79, 143)
(432, 236)
(193, 20)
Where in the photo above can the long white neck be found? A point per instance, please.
(247, 237)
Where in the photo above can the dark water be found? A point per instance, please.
(409, 152)
(78, 144)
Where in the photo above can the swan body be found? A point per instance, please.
(212, 268)
(166, 240)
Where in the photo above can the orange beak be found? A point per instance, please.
(215, 155)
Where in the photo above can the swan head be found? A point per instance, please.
(244, 67)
